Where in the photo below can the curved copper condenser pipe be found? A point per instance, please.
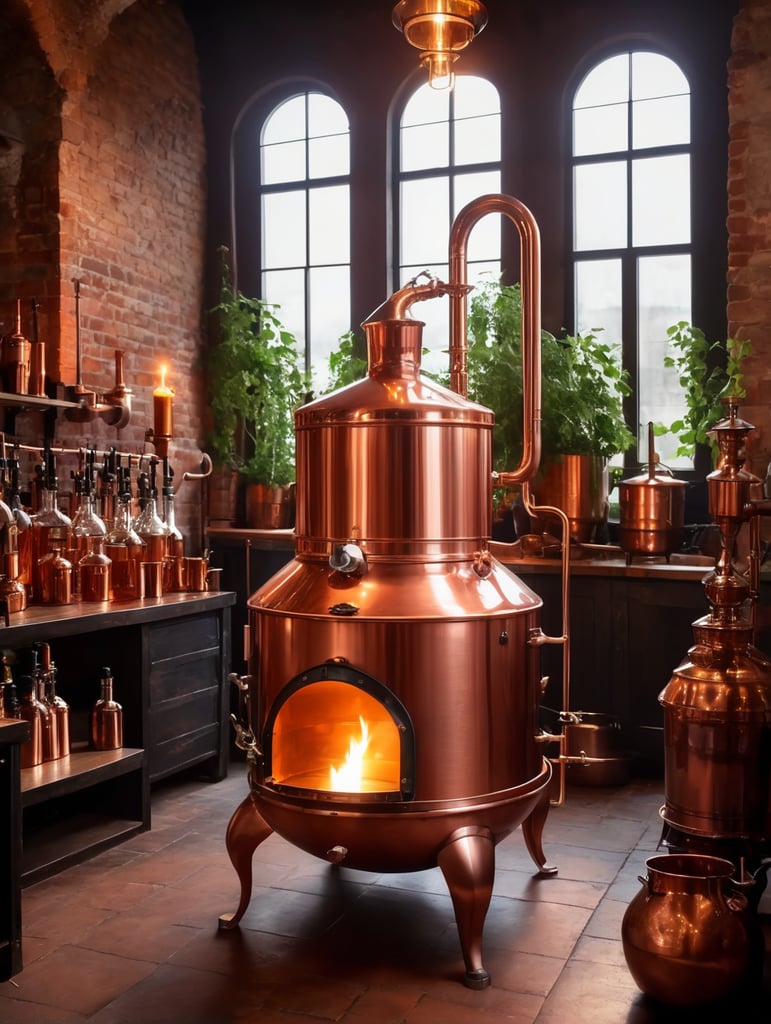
(530, 262)
(530, 283)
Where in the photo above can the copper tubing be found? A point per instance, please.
(530, 259)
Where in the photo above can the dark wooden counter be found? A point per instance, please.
(170, 657)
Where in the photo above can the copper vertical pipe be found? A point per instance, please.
(530, 259)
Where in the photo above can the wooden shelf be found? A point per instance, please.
(50, 849)
(80, 770)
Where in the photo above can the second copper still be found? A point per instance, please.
(394, 670)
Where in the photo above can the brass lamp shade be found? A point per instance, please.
(440, 29)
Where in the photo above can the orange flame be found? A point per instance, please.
(348, 777)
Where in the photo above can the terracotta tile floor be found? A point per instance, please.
(131, 936)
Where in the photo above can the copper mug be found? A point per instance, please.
(196, 570)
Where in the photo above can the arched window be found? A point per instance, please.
(632, 221)
(305, 222)
(449, 153)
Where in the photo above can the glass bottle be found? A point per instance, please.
(95, 571)
(149, 524)
(124, 547)
(174, 569)
(23, 528)
(106, 717)
(51, 528)
(87, 522)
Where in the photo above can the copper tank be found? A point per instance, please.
(394, 635)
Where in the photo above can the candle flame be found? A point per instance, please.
(164, 368)
(348, 778)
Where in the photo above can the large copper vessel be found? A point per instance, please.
(394, 674)
(687, 935)
(717, 705)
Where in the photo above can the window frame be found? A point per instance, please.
(248, 190)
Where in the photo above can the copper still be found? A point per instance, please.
(390, 710)
(717, 705)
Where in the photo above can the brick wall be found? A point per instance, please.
(131, 219)
(749, 215)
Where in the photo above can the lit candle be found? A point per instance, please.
(163, 404)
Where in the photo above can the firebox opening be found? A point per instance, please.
(334, 730)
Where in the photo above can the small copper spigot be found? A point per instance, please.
(116, 407)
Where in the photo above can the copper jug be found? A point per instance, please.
(687, 935)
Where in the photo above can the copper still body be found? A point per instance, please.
(717, 768)
(717, 705)
(394, 669)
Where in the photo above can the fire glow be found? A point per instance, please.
(349, 777)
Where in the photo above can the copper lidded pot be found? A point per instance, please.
(652, 510)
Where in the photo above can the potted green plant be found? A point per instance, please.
(708, 372)
(256, 382)
(583, 387)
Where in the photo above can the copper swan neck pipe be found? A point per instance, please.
(530, 261)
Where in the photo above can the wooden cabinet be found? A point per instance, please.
(169, 659)
(630, 627)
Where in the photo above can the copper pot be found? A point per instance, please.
(577, 484)
(652, 510)
(687, 936)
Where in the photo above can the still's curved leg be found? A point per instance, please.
(467, 861)
(246, 830)
(532, 831)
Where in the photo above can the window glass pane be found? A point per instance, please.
(425, 218)
(286, 289)
(662, 122)
(598, 298)
(664, 288)
(608, 82)
(475, 96)
(325, 116)
(600, 129)
(283, 229)
(330, 304)
(661, 207)
(329, 226)
(655, 75)
(484, 242)
(425, 106)
(283, 162)
(286, 123)
(328, 156)
(478, 140)
(425, 146)
(600, 206)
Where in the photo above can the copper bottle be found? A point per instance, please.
(36, 714)
(58, 708)
(106, 717)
